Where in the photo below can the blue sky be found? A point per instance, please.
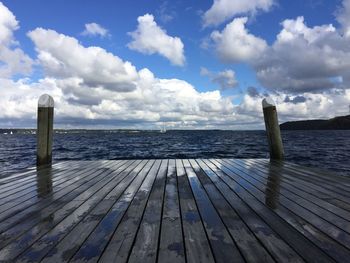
(238, 66)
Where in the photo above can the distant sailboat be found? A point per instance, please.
(11, 132)
(163, 130)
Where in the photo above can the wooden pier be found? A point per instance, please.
(203, 210)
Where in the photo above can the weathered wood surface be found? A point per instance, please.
(197, 210)
(272, 129)
(45, 130)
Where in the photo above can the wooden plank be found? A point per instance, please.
(31, 174)
(145, 247)
(197, 246)
(27, 173)
(48, 207)
(274, 176)
(69, 185)
(8, 186)
(57, 232)
(323, 242)
(43, 243)
(120, 244)
(293, 238)
(22, 177)
(321, 179)
(171, 246)
(257, 217)
(202, 211)
(25, 191)
(72, 242)
(56, 180)
(93, 247)
(336, 189)
(324, 194)
(244, 238)
(324, 220)
(223, 246)
(38, 201)
(22, 223)
(319, 173)
(54, 172)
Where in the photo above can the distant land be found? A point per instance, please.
(337, 123)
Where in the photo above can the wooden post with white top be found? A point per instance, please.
(45, 130)
(273, 129)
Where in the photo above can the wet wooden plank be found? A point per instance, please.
(333, 198)
(243, 236)
(27, 173)
(27, 181)
(257, 217)
(309, 212)
(52, 226)
(120, 244)
(93, 247)
(21, 193)
(293, 238)
(317, 173)
(71, 183)
(171, 247)
(16, 179)
(54, 171)
(330, 212)
(196, 242)
(316, 244)
(223, 246)
(174, 211)
(35, 251)
(299, 189)
(32, 204)
(336, 189)
(145, 248)
(44, 219)
(41, 210)
(43, 200)
(71, 243)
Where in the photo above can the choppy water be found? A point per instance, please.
(322, 149)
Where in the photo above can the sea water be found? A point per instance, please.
(322, 149)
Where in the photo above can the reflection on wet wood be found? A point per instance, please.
(44, 182)
(273, 187)
(220, 210)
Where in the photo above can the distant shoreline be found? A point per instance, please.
(29, 130)
(337, 123)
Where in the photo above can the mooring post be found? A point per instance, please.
(44, 130)
(272, 129)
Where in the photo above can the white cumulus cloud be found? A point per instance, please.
(236, 44)
(149, 38)
(223, 10)
(343, 16)
(109, 90)
(305, 59)
(306, 70)
(301, 59)
(303, 106)
(62, 56)
(12, 59)
(226, 79)
(94, 29)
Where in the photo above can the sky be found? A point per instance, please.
(184, 64)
